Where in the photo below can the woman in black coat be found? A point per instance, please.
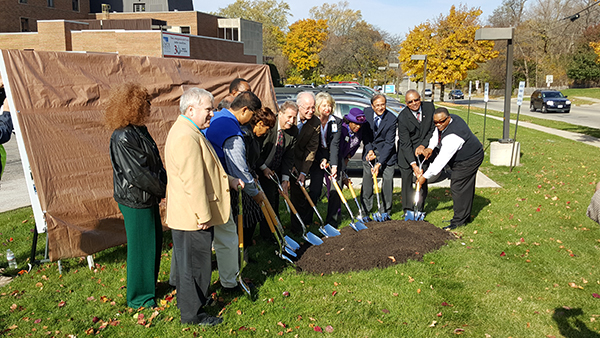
(139, 180)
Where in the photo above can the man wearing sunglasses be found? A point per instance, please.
(462, 151)
(415, 128)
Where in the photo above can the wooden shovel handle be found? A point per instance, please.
(339, 191)
(375, 185)
(267, 217)
(287, 199)
(307, 196)
(351, 189)
(270, 211)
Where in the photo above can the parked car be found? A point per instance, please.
(549, 101)
(428, 93)
(456, 94)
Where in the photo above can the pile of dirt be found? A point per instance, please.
(381, 245)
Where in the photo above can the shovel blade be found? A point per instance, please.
(359, 225)
(377, 217)
(290, 243)
(244, 286)
(312, 238)
(385, 217)
(414, 216)
(289, 251)
(329, 231)
(284, 257)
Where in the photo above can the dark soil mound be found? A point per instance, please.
(382, 245)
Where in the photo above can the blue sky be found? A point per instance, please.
(393, 16)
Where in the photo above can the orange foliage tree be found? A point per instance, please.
(450, 46)
(303, 43)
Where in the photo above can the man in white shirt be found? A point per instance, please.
(462, 152)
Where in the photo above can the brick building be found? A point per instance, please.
(22, 15)
(184, 34)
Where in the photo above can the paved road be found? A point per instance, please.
(13, 190)
(586, 115)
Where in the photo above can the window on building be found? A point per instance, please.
(140, 7)
(50, 3)
(76, 5)
(24, 24)
(185, 29)
(230, 34)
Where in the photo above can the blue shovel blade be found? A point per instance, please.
(385, 217)
(289, 251)
(329, 231)
(284, 257)
(359, 225)
(313, 239)
(292, 244)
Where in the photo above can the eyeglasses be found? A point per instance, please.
(413, 101)
(440, 122)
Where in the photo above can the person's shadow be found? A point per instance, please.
(570, 326)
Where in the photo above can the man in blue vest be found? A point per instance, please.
(462, 151)
(227, 139)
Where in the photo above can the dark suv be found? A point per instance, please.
(549, 100)
(456, 94)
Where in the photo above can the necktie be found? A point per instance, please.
(377, 120)
(419, 116)
(278, 151)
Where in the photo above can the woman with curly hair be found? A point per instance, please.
(139, 180)
(254, 134)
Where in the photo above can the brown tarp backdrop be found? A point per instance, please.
(59, 98)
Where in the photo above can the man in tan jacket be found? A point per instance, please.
(197, 200)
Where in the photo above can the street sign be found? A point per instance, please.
(389, 89)
(470, 83)
(486, 92)
(521, 92)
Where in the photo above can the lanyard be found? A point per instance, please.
(189, 119)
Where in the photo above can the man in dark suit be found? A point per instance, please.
(415, 127)
(305, 152)
(277, 157)
(379, 139)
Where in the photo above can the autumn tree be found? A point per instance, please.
(303, 43)
(583, 68)
(450, 46)
(340, 18)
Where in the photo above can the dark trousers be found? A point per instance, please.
(387, 189)
(462, 186)
(192, 263)
(144, 243)
(408, 193)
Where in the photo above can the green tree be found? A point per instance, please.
(303, 44)
(451, 48)
(268, 12)
(584, 68)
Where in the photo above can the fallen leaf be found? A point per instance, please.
(95, 319)
(329, 328)
(318, 329)
(459, 331)
(392, 258)
(502, 254)
(575, 286)
(239, 312)
(90, 298)
(62, 303)
(446, 304)
(418, 290)
(595, 295)
(286, 294)
(385, 311)
(334, 293)
(281, 324)
(433, 323)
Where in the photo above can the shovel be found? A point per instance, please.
(415, 214)
(361, 214)
(378, 216)
(289, 244)
(241, 244)
(274, 232)
(327, 230)
(357, 225)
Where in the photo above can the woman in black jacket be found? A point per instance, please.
(139, 180)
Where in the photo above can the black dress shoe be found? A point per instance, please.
(232, 291)
(453, 226)
(208, 320)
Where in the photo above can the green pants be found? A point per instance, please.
(144, 244)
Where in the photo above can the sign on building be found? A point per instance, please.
(175, 45)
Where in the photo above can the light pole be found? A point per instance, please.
(502, 34)
(424, 58)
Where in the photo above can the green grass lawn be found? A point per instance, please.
(525, 267)
(584, 92)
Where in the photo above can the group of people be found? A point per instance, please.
(212, 153)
